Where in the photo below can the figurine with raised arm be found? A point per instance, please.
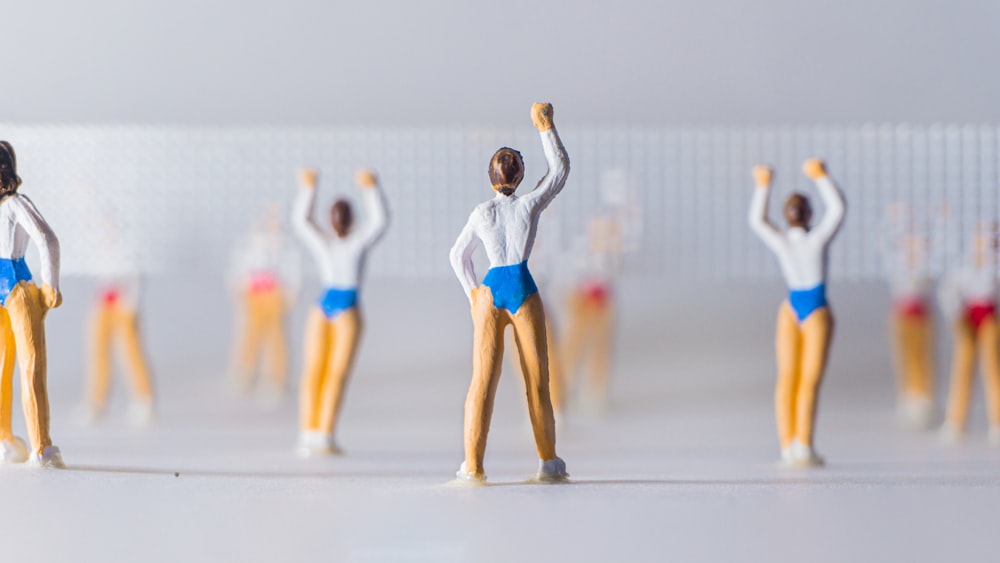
(334, 325)
(805, 324)
(969, 296)
(506, 226)
(23, 306)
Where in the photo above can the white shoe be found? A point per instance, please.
(48, 458)
(915, 412)
(951, 433)
(798, 454)
(140, 412)
(786, 456)
(313, 443)
(551, 470)
(13, 451)
(463, 475)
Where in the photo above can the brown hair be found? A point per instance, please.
(9, 180)
(506, 170)
(341, 217)
(798, 211)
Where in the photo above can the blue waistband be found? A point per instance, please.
(510, 285)
(12, 272)
(805, 301)
(335, 301)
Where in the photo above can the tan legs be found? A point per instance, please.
(962, 365)
(801, 353)
(128, 326)
(989, 356)
(101, 325)
(487, 350)
(912, 353)
(314, 370)
(589, 339)
(27, 316)
(263, 335)
(108, 322)
(530, 335)
(6, 377)
(342, 344)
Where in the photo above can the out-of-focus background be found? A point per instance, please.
(174, 129)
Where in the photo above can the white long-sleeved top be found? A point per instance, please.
(265, 252)
(801, 254)
(340, 261)
(22, 222)
(968, 285)
(506, 225)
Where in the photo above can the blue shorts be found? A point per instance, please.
(335, 301)
(510, 285)
(12, 272)
(805, 301)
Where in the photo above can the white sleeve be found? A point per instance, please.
(42, 235)
(833, 200)
(555, 177)
(759, 224)
(302, 223)
(377, 211)
(461, 255)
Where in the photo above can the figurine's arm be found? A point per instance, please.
(375, 207)
(45, 240)
(461, 256)
(759, 223)
(832, 198)
(555, 156)
(302, 213)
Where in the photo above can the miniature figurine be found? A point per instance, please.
(116, 317)
(506, 227)
(805, 323)
(334, 325)
(911, 326)
(969, 296)
(591, 312)
(23, 306)
(264, 279)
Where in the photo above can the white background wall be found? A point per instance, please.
(400, 62)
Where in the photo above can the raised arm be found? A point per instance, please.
(302, 213)
(461, 255)
(759, 223)
(45, 240)
(373, 199)
(555, 156)
(832, 198)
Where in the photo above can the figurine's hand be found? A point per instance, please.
(762, 175)
(51, 297)
(814, 168)
(474, 294)
(541, 116)
(366, 178)
(308, 177)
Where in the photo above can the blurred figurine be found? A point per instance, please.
(591, 312)
(805, 324)
(506, 227)
(23, 306)
(911, 325)
(969, 296)
(265, 279)
(334, 325)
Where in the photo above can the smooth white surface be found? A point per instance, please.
(684, 468)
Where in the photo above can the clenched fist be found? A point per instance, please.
(541, 116)
(814, 168)
(308, 177)
(762, 175)
(51, 296)
(366, 178)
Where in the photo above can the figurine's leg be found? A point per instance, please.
(962, 366)
(788, 350)
(574, 344)
(128, 322)
(901, 353)
(556, 382)
(347, 334)
(6, 378)
(275, 342)
(317, 337)
(602, 322)
(250, 346)
(817, 331)
(529, 334)
(487, 354)
(27, 318)
(989, 355)
(100, 349)
(922, 359)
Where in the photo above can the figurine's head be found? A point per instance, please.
(9, 180)
(341, 217)
(506, 170)
(798, 212)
